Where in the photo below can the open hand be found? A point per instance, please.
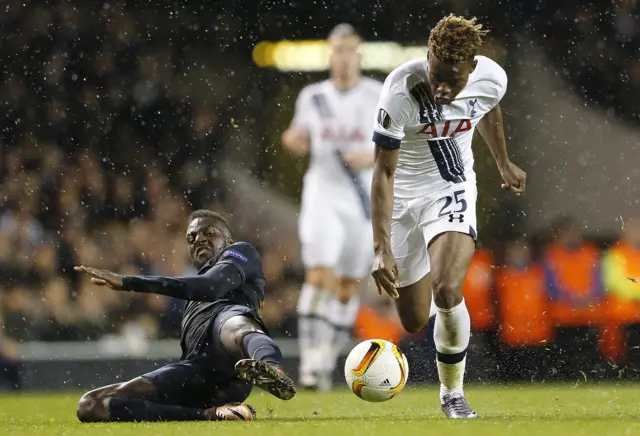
(102, 277)
(385, 273)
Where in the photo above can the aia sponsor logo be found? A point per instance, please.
(443, 129)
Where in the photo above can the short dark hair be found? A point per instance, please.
(456, 39)
(205, 213)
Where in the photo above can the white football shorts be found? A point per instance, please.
(416, 222)
(335, 234)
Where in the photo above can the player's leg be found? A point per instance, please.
(256, 355)
(342, 308)
(312, 312)
(450, 254)
(449, 232)
(157, 396)
(410, 251)
(414, 303)
(321, 241)
(342, 311)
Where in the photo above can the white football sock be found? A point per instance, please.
(342, 317)
(451, 336)
(433, 309)
(324, 330)
(310, 312)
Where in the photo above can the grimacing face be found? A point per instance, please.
(345, 58)
(206, 238)
(447, 79)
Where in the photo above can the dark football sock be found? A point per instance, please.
(261, 347)
(133, 409)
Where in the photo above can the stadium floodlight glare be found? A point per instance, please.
(313, 55)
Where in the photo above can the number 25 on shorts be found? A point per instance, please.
(454, 204)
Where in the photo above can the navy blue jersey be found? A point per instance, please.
(249, 291)
(234, 277)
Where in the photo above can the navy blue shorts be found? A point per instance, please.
(205, 378)
(194, 383)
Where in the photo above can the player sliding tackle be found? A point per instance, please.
(424, 188)
(226, 348)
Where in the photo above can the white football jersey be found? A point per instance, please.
(337, 121)
(434, 140)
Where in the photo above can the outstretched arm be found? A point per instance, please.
(238, 263)
(210, 286)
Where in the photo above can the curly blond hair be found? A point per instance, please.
(456, 39)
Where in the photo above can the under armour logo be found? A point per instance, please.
(460, 218)
(472, 103)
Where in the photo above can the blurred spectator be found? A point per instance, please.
(572, 274)
(105, 148)
(279, 307)
(478, 291)
(621, 271)
(525, 326)
(378, 320)
(522, 298)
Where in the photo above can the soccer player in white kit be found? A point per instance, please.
(424, 188)
(332, 123)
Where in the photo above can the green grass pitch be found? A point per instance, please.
(515, 410)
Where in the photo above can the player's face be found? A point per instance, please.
(206, 238)
(448, 79)
(345, 58)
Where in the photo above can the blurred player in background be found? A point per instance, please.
(424, 188)
(332, 123)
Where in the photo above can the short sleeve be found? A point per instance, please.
(495, 84)
(244, 257)
(392, 114)
(303, 111)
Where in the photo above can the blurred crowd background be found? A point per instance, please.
(117, 121)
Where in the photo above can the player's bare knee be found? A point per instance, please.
(346, 290)
(413, 323)
(411, 326)
(446, 292)
(413, 319)
(234, 330)
(92, 407)
(320, 278)
(343, 297)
